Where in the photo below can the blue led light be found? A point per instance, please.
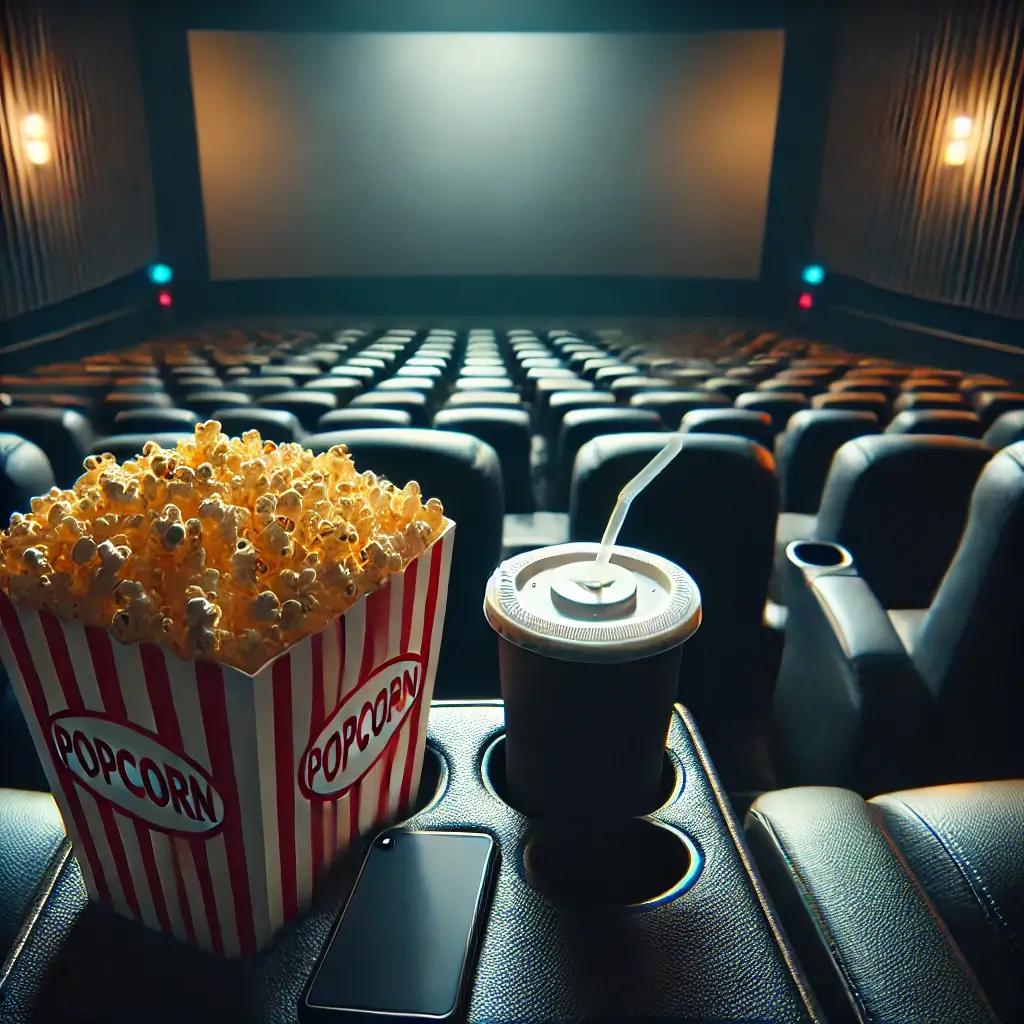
(813, 274)
(160, 273)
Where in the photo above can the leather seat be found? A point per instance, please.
(562, 402)
(754, 426)
(792, 385)
(860, 705)
(276, 425)
(119, 401)
(63, 434)
(363, 419)
(546, 389)
(779, 405)
(805, 450)
(507, 431)
(712, 511)
(259, 386)
(204, 403)
(485, 384)
(958, 423)
(306, 406)
(583, 425)
(344, 389)
(903, 909)
(485, 399)
(624, 388)
(157, 421)
(898, 502)
(727, 386)
(915, 400)
(414, 403)
(128, 446)
(25, 473)
(184, 385)
(854, 401)
(990, 405)
(1006, 430)
(672, 405)
(466, 473)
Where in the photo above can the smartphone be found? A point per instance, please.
(406, 941)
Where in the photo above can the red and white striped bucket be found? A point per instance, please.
(203, 801)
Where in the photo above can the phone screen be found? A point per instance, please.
(403, 942)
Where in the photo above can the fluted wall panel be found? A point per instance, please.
(891, 211)
(87, 217)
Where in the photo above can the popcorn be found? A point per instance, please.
(224, 548)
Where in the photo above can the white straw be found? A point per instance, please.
(625, 499)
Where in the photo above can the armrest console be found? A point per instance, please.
(849, 705)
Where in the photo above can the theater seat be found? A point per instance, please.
(958, 423)
(854, 401)
(306, 406)
(25, 473)
(624, 388)
(120, 401)
(920, 400)
(898, 503)
(805, 449)
(583, 425)
(63, 434)
(466, 473)
(673, 405)
(485, 399)
(276, 425)
(157, 421)
(259, 386)
(1006, 430)
(712, 511)
(562, 402)
(903, 909)
(779, 405)
(128, 446)
(204, 403)
(754, 426)
(413, 402)
(363, 419)
(990, 405)
(507, 431)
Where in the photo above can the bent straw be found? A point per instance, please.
(625, 499)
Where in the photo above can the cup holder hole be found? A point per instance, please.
(433, 782)
(820, 555)
(627, 863)
(496, 781)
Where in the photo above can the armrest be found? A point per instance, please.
(850, 707)
(863, 928)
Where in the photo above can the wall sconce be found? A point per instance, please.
(35, 139)
(957, 148)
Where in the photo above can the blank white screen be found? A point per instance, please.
(371, 154)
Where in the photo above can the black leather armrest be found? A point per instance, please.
(868, 937)
(850, 707)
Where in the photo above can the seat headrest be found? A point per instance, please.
(458, 418)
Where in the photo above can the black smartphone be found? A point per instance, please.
(406, 941)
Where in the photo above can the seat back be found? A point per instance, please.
(273, 424)
(363, 419)
(712, 511)
(898, 503)
(969, 648)
(754, 426)
(25, 473)
(128, 446)
(141, 421)
(957, 423)
(1006, 430)
(673, 404)
(63, 434)
(805, 451)
(507, 431)
(779, 405)
(305, 405)
(990, 405)
(465, 474)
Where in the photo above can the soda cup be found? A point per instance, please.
(589, 671)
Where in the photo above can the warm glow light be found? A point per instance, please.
(956, 153)
(962, 127)
(806, 300)
(34, 127)
(35, 132)
(164, 299)
(37, 151)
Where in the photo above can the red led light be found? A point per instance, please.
(164, 299)
(806, 300)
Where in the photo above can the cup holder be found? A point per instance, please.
(815, 554)
(492, 768)
(633, 862)
(433, 782)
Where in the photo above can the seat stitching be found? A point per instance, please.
(982, 895)
(821, 925)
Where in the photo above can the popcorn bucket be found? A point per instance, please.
(203, 801)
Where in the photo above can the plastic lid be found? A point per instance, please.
(543, 601)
